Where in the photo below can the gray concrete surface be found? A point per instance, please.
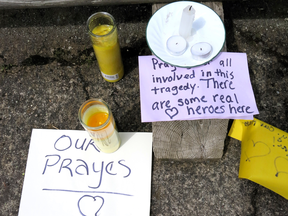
(48, 69)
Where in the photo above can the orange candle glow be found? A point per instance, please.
(97, 119)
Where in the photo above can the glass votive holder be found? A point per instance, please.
(97, 119)
(102, 29)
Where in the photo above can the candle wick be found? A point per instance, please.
(176, 43)
(190, 8)
(201, 49)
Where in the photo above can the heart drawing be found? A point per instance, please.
(260, 149)
(172, 112)
(281, 165)
(90, 205)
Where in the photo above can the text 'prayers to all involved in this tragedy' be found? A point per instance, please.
(220, 89)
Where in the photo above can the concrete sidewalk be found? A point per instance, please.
(48, 69)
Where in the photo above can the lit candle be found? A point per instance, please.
(176, 45)
(201, 50)
(187, 19)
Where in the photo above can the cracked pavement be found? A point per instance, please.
(48, 69)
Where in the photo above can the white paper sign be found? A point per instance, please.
(67, 175)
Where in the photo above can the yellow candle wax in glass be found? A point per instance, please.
(96, 117)
(104, 37)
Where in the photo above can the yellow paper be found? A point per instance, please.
(264, 154)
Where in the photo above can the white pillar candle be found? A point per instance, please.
(201, 50)
(176, 45)
(187, 19)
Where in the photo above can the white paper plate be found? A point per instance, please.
(207, 27)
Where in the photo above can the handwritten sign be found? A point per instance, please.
(264, 154)
(67, 175)
(220, 89)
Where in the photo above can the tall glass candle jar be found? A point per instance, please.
(97, 119)
(103, 33)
